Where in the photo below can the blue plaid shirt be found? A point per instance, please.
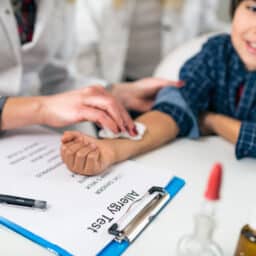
(213, 78)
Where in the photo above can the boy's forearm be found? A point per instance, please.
(224, 126)
(161, 129)
(21, 111)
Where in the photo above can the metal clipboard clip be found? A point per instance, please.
(139, 215)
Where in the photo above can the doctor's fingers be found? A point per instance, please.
(98, 116)
(163, 81)
(178, 84)
(128, 123)
(159, 83)
(113, 108)
(166, 80)
(142, 105)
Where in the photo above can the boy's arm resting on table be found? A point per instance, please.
(242, 134)
(89, 156)
(222, 125)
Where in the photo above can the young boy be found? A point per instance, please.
(220, 90)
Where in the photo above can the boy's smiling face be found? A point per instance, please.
(244, 33)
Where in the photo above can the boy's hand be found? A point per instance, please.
(86, 155)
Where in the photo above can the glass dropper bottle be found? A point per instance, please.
(200, 242)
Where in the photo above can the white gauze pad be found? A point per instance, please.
(141, 129)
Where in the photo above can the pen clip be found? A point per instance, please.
(139, 215)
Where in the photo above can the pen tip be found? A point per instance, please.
(40, 204)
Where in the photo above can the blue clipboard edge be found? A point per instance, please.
(34, 238)
(116, 249)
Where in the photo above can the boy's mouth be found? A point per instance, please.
(251, 47)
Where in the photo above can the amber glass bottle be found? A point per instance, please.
(247, 241)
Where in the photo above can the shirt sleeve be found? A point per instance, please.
(246, 144)
(185, 104)
(171, 102)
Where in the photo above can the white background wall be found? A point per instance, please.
(224, 10)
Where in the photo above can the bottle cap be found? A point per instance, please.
(212, 192)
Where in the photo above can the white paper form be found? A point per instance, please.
(81, 209)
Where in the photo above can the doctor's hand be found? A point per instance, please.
(93, 104)
(140, 95)
(86, 155)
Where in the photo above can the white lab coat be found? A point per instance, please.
(103, 32)
(43, 65)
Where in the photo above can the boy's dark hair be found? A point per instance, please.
(234, 4)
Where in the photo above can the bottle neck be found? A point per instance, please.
(208, 208)
(205, 221)
(204, 227)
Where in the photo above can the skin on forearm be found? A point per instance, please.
(21, 111)
(224, 126)
(161, 129)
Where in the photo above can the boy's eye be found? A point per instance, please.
(251, 8)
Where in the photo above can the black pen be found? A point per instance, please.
(21, 201)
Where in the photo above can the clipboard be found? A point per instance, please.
(125, 231)
(155, 200)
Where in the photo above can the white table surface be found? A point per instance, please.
(192, 160)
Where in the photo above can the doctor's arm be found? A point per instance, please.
(88, 104)
(20, 111)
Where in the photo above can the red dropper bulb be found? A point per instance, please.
(212, 192)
